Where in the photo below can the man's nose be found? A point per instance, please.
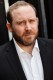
(28, 26)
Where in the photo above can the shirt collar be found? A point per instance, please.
(36, 45)
(18, 47)
(20, 50)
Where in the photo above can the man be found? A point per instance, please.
(25, 57)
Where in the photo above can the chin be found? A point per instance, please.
(28, 43)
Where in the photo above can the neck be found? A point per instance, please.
(28, 49)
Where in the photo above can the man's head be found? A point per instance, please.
(23, 22)
(17, 5)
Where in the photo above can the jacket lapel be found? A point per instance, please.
(14, 62)
(44, 52)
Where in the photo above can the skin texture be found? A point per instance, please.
(24, 27)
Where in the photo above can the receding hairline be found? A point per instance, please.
(20, 4)
(16, 5)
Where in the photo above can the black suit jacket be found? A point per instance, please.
(10, 66)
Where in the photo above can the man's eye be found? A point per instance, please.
(20, 23)
(31, 21)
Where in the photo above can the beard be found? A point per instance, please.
(24, 40)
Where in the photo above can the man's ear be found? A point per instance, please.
(9, 27)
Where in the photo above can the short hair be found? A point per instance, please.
(15, 6)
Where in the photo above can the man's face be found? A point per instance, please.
(24, 25)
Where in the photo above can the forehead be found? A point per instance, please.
(23, 12)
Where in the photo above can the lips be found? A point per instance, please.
(28, 34)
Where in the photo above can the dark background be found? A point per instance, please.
(3, 29)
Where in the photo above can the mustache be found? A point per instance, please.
(29, 32)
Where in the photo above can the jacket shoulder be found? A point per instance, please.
(47, 41)
(4, 47)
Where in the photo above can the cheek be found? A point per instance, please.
(35, 28)
(18, 31)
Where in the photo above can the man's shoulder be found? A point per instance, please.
(4, 47)
(5, 44)
(45, 40)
